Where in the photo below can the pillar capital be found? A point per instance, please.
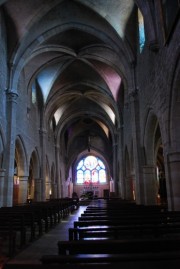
(12, 96)
(42, 131)
(133, 95)
(23, 178)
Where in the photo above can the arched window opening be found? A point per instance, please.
(90, 170)
(141, 31)
(33, 94)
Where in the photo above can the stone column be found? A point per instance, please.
(57, 179)
(2, 176)
(121, 185)
(43, 141)
(115, 164)
(150, 190)
(133, 186)
(10, 147)
(37, 189)
(173, 181)
(23, 188)
(54, 190)
(115, 179)
(139, 186)
(129, 188)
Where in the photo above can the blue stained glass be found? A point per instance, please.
(141, 31)
(80, 164)
(90, 170)
(101, 164)
(90, 162)
(83, 168)
(79, 176)
(33, 94)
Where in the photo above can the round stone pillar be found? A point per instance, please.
(23, 189)
(43, 141)
(129, 188)
(9, 155)
(2, 176)
(150, 192)
(173, 182)
(37, 189)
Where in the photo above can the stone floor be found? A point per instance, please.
(47, 244)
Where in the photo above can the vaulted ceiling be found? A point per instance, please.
(78, 54)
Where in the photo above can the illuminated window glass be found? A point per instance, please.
(141, 31)
(33, 94)
(94, 176)
(79, 176)
(90, 170)
(102, 175)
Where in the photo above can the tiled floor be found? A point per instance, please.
(47, 244)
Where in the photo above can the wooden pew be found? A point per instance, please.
(118, 246)
(141, 264)
(17, 223)
(124, 231)
(7, 241)
(108, 258)
(30, 221)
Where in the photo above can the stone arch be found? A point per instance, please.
(153, 151)
(149, 133)
(34, 181)
(174, 114)
(20, 172)
(21, 156)
(173, 151)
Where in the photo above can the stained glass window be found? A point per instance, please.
(33, 94)
(90, 170)
(141, 31)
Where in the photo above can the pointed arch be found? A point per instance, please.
(21, 156)
(149, 135)
(154, 171)
(34, 182)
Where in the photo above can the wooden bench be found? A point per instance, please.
(108, 258)
(140, 264)
(124, 231)
(118, 246)
(17, 224)
(7, 242)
